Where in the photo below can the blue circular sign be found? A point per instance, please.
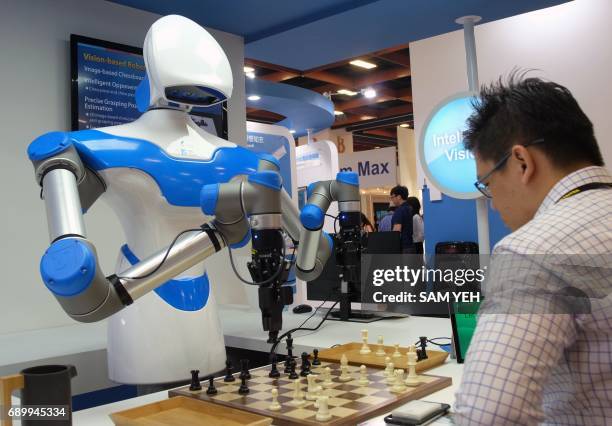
(446, 162)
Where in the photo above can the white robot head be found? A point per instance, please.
(185, 64)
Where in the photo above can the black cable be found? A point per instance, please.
(273, 349)
(269, 280)
(434, 343)
(335, 221)
(165, 256)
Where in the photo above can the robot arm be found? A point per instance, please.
(70, 267)
(315, 245)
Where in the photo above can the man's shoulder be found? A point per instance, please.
(580, 224)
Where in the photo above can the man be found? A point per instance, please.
(385, 223)
(402, 217)
(543, 361)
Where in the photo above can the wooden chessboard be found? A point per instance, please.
(351, 350)
(349, 403)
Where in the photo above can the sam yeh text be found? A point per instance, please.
(427, 296)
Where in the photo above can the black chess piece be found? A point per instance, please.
(316, 360)
(274, 373)
(195, 381)
(305, 367)
(244, 389)
(229, 377)
(289, 353)
(292, 374)
(422, 353)
(244, 369)
(212, 390)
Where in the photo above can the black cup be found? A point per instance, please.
(48, 386)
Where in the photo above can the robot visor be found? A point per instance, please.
(194, 95)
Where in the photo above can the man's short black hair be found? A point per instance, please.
(400, 190)
(525, 109)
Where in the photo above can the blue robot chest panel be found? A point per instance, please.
(179, 179)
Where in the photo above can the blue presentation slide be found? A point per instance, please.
(107, 81)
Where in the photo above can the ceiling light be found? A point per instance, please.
(404, 125)
(363, 64)
(249, 69)
(338, 113)
(250, 74)
(292, 131)
(369, 93)
(367, 117)
(254, 98)
(347, 92)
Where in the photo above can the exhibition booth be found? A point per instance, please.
(169, 257)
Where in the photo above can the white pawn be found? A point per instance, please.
(363, 376)
(397, 353)
(345, 376)
(391, 373)
(399, 385)
(323, 413)
(387, 361)
(298, 396)
(381, 350)
(327, 380)
(274, 406)
(343, 360)
(413, 378)
(365, 349)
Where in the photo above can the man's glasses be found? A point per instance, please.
(484, 187)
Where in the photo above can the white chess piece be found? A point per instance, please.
(327, 380)
(298, 397)
(345, 376)
(391, 373)
(363, 376)
(381, 349)
(313, 388)
(399, 385)
(387, 361)
(343, 360)
(323, 413)
(365, 349)
(274, 406)
(413, 378)
(396, 353)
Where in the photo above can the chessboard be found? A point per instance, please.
(349, 402)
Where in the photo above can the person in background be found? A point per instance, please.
(385, 223)
(402, 218)
(366, 225)
(418, 229)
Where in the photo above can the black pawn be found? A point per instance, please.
(212, 390)
(229, 377)
(305, 367)
(292, 374)
(244, 366)
(422, 353)
(274, 373)
(244, 389)
(316, 360)
(195, 381)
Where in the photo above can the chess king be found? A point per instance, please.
(159, 174)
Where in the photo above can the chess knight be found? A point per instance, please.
(159, 174)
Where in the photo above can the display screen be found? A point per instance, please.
(104, 80)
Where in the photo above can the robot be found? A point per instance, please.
(181, 195)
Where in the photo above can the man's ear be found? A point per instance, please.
(523, 158)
